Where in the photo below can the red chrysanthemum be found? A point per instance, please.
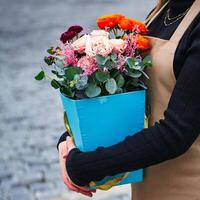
(68, 35)
(75, 28)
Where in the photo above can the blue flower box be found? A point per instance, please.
(105, 121)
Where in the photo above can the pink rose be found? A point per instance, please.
(118, 45)
(80, 44)
(98, 43)
(99, 33)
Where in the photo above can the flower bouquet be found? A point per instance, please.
(100, 77)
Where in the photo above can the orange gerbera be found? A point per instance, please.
(142, 28)
(109, 21)
(142, 42)
(126, 24)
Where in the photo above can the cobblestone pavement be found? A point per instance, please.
(30, 112)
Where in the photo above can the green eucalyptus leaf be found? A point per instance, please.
(101, 76)
(113, 57)
(40, 76)
(114, 73)
(109, 64)
(147, 61)
(120, 81)
(130, 62)
(55, 84)
(70, 72)
(119, 90)
(101, 61)
(82, 82)
(134, 73)
(134, 64)
(111, 85)
(92, 90)
(60, 63)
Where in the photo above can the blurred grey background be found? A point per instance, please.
(31, 118)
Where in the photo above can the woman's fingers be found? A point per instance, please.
(70, 186)
(70, 144)
(85, 189)
(89, 194)
(77, 189)
(63, 149)
(64, 155)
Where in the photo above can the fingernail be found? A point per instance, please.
(65, 155)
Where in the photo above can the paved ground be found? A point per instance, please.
(30, 112)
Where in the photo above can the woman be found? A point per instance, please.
(170, 148)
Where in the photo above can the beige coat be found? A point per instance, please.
(177, 179)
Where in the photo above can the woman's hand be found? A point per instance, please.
(64, 148)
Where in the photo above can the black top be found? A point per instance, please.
(167, 139)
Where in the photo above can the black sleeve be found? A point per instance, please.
(62, 138)
(167, 139)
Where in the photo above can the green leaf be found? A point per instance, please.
(130, 62)
(134, 63)
(40, 76)
(120, 81)
(70, 72)
(51, 50)
(111, 85)
(67, 92)
(48, 61)
(114, 73)
(147, 61)
(92, 90)
(60, 63)
(134, 73)
(113, 57)
(109, 64)
(119, 90)
(101, 61)
(101, 76)
(56, 73)
(55, 84)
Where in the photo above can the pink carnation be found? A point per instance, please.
(70, 57)
(131, 46)
(121, 62)
(88, 64)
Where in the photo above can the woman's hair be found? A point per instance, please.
(159, 5)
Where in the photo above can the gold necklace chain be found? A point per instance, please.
(168, 20)
(180, 15)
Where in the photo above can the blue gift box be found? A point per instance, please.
(106, 120)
